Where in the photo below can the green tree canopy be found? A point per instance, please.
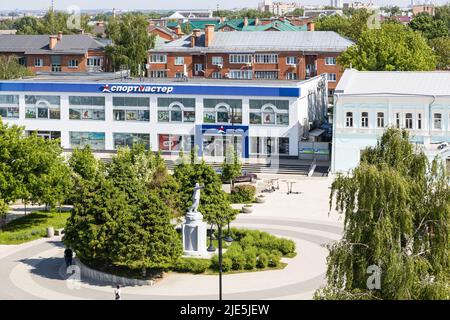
(393, 47)
(430, 27)
(11, 69)
(351, 27)
(397, 217)
(441, 48)
(131, 42)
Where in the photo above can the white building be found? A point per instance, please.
(366, 103)
(260, 118)
(278, 8)
(337, 3)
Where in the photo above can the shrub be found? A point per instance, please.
(243, 193)
(226, 263)
(192, 265)
(274, 259)
(285, 246)
(247, 241)
(250, 258)
(263, 261)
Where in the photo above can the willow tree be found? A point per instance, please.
(397, 222)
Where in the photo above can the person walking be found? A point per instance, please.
(68, 255)
(117, 293)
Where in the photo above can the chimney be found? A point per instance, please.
(310, 26)
(209, 34)
(222, 19)
(245, 21)
(60, 34)
(178, 30)
(195, 35)
(257, 21)
(52, 42)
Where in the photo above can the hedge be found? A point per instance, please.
(243, 194)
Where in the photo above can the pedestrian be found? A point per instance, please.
(117, 293)
(68, 255)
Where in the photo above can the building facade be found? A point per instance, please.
(259, 120)
(55, 54)
(255, 55)
(366, 103)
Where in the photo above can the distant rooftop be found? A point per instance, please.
(39, 44)
(355, 82)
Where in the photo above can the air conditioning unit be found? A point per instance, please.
(248, 64)
(227, 75)
(220, 66)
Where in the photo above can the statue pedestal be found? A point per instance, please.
(194, 235)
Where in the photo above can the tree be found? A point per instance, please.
(297, 12)
(429, 27)
(186, 28)
(84, 163)
(131, 41)
(11, 69)
(393, 47)
(231, 167)
(397, 218)
(351, 27)
(441, 48)
(214, 204)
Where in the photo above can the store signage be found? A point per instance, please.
(136, 89)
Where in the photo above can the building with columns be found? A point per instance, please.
(366, 103)
(262, 118)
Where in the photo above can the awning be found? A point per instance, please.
(316, 132)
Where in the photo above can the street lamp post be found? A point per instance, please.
(228, 240)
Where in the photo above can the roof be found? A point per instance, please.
(39, 44)
(432, 83)
(311, 41)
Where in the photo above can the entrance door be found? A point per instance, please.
(198, 68)
(56, 63)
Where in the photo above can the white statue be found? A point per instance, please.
(195, 198)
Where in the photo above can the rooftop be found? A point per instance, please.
(431, 83)
(39, 44)
(315, 41)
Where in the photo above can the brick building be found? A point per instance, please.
(60, 53)
(262, 55)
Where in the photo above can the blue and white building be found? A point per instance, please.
(259, 118)
(366, 103)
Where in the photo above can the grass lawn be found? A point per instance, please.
(32, 226)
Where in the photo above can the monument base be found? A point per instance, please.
(194, 235)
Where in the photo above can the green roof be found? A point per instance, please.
(238, 24)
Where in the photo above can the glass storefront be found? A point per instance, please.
(219, 145)
(131, 109)
(176, 110)
(269, 112)
(171, 143)
(222, 111)
(9, 106)
(129, 139)
(86, 108)
(80, 139)
(42, 107)
(269, 145)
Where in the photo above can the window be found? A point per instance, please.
(38, 62)
(269, 112)
(222, 111)
(175, 143)
(42, 107)
(131, 109)
(179, 61)
(268, 75)
(158, 58)
(408, 121)
(86, 108)
(397, 120)
(73, 63)
(291, 61)
(269, 145)
(349, 119)
(241, 74)
(179, 75)
(437, 121)
(330, 61)
(331, 77)
(419, 121)
(22, 61)
(48, 135)
(216, 60)
(364, 120)
(176, 110)
(9, 107)
(266, 58)
(216, 75)
(122, 140)
(291, 76)
(158, 74)
(95, 62)
(380, 119)
(81, 139)
(240, 58)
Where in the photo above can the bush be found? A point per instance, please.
(285, 246)
(243, 193)
(274, 259)
(226, 263)
(250, 258)
(263, 261)
(192, 265)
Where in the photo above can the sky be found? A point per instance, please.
(166, 4)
